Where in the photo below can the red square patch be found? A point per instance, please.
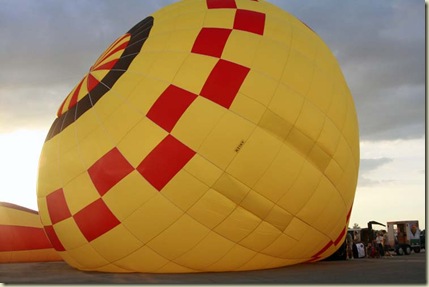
(165, 161)
(53, 238)
(250, 21)
(214, 4)
(109, 170)
(170, 106)
(224, 82)
(95, 219)
(211, 41)
(57, 206)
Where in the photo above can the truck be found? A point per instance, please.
(404, 236)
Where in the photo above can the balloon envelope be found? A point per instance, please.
(215, 135)
(22, 237)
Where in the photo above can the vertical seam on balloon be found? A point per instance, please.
(348, 103)
(279, 82)
(78, 148)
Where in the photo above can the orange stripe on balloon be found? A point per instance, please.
(60, 110)
(120, 47)
(106, 66)
(112, 49)
(74, 99)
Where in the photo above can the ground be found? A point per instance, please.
(409, 269)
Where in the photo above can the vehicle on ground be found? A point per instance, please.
(406, 236)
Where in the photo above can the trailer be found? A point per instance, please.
(405, 235)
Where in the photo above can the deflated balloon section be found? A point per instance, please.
(22, 236)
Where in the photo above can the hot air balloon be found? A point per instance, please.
(22, 237)
(215, 135)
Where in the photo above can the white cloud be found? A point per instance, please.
(391, 182)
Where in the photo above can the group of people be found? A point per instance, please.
(381, 244)
(379, 247)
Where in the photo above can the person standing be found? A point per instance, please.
(386, 244)
(379, 243)
(349, 243)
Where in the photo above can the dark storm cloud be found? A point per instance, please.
(48, 45)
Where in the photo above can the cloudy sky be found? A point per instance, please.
(48, 45)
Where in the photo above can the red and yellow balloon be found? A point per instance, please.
(22, 237)
(216, 135)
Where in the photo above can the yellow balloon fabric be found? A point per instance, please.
(216, 135)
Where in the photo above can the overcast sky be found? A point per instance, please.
(48, 45)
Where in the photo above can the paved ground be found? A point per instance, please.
(393, 270)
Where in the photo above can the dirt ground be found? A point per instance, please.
(409, 269)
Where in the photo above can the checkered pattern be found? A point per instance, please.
(170, 106)
(57, 206)
(95, 219)
(170, 155)
(163, 162)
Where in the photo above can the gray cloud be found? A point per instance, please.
(48, 45)
(370, 164)
(380, 46)
(55, 41)
(367, 165)
(46, 48)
